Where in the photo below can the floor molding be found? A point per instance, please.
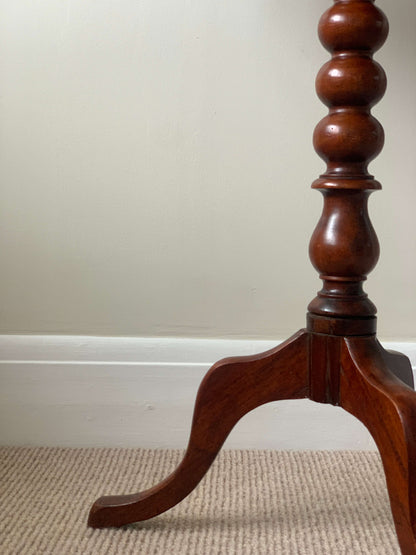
(123, 391)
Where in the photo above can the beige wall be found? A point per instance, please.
(156, 160)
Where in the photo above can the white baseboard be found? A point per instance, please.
(140, 392)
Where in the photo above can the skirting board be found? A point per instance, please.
(139, 392)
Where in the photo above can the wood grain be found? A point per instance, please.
(233, 387)
(370, 391)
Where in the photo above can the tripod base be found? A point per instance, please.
(354, 372)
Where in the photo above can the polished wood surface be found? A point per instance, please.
(337, 359)
(232, 387)
(344, 247)
(370, 391)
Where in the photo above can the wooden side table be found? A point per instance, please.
(337, 359)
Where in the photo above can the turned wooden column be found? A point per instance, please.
(344, 247)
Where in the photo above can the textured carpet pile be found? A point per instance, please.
(251, 502)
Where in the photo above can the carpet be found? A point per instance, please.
(251, 502)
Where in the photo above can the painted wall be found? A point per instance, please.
(156, 160)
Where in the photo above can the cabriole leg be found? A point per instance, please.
(232, 387)
(370, 391)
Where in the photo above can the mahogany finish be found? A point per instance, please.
(233, 387)
(337, 359)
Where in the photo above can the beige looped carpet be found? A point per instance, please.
(251, 502)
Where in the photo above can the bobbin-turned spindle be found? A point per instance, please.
(337, 359)
(344, 247)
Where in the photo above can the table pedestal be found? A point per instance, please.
(337, 358)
